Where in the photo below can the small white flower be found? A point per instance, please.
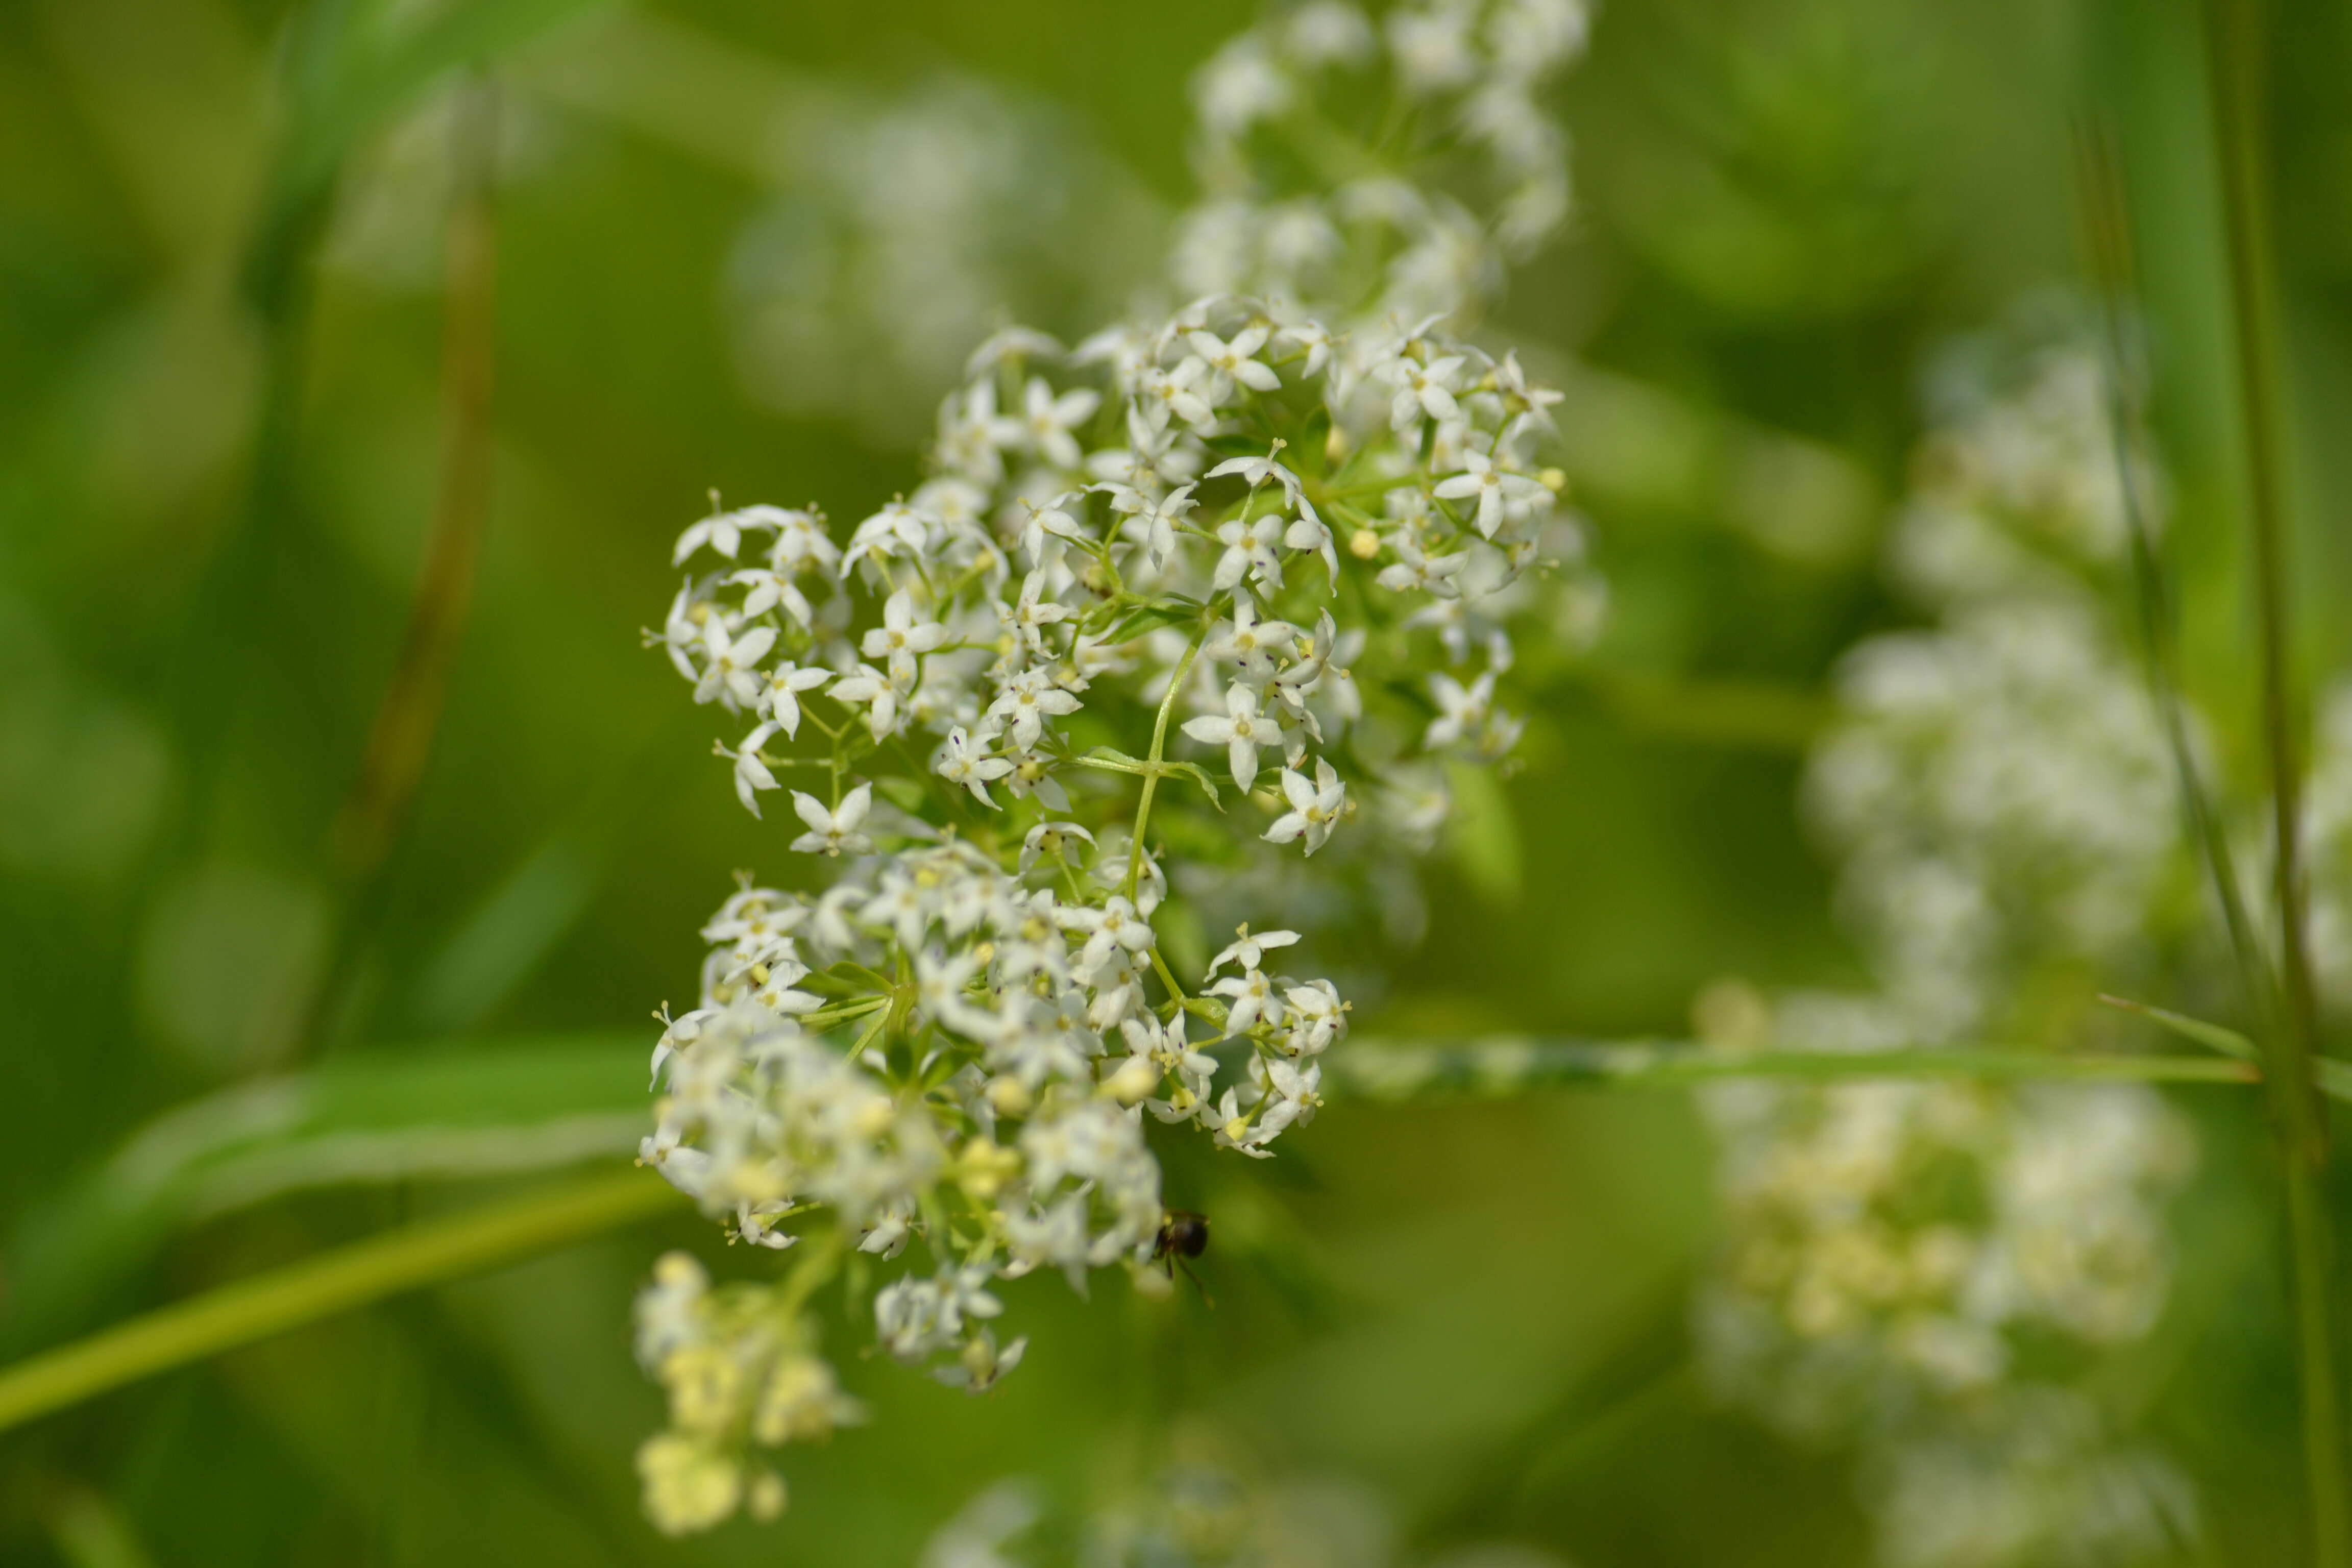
(1251, 643)
(1242, 731)
(751, 774)
(1052, 838)
(1250, 952)
(879, 694)
(965, 760)
(1249, 551)
(1495, 490)
(1424, 389)
(782, 700)
(1414, 572)
(1315, 808)
(1259, 471)
(900, 638)
(834, 832)
(722, 531)
(1027, 700)
(1047, 421)
(1233, 361)
(731, 671)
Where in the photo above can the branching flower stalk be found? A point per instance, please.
(1272, 539)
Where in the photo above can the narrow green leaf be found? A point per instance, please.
(331, 1282)
(483, 1109)
(2213, 1036)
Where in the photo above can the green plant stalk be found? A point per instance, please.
(1369, 1069)
(335, 1281)
(2235, 38)
(1159, 751)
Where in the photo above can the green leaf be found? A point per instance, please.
(1194, 772)
(1147, 617)
(483, 1109)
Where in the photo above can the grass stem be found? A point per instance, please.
(2235, 40)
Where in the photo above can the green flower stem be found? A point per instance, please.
(1369, 1069)
(1159, 749)
(335, 1281)
(2236, 40)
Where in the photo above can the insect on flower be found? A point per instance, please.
(1182, 1235)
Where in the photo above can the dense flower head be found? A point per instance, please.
(1203, 590)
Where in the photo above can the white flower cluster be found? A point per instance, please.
(1213, 1503)
(1313, 177)
(1247, 545)
(1926, 1265)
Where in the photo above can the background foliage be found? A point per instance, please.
(220, 346)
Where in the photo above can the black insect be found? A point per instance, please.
(1182, 1235)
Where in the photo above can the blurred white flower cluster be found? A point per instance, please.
(902, 227)
(1249, 567)
(1213, 1503)
(1926, 1267)
(1316, 135)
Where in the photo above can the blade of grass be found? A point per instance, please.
(2213, 1036)
(336, 1281)
(478, 1108)
(409, 717)
(2108, 231)
(2236, 37)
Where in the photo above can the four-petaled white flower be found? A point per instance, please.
(782, 700)
(1462, 712)
(1497, 490)
(965, 760)
(879, 694)
(1047, 421)
(1028, 700)
(1417, 573)
(1249, 551)
(731, 673)
(1241, 730)
(1315, 808)
(1424, 389)
(1233, 361)
(900, 638)
(1249, 950)
(834, 832)
(1251, 643)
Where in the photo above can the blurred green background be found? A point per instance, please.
(744, 247)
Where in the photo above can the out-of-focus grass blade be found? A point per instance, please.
(337, 1280)
(1384, 1070)
(504, 939)
(2212, 1037)
(483, 1110)
(2334, 1078)
(351, 68)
